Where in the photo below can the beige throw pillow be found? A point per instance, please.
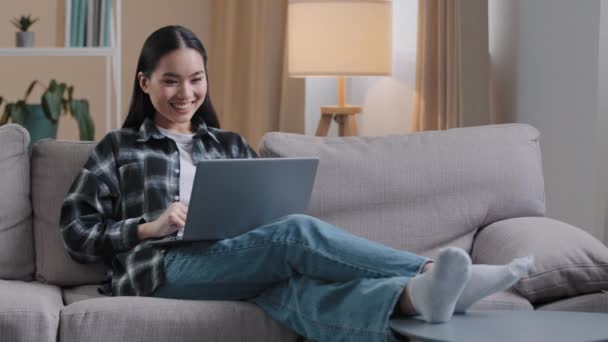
(16, 239)
(568, 261)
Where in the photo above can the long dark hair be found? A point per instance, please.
(158, 44)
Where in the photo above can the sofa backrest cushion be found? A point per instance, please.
(16, 240)
(55, 165)
(421, 191)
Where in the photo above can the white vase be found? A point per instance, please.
(24, 39)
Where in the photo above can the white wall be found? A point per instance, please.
(386, 101)
(545, 59)
(602, 127)
(550, 70)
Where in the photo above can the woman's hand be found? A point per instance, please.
(170, 221)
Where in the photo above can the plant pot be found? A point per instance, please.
(38, 125)
(24, 39)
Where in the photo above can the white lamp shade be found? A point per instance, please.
(339, 37)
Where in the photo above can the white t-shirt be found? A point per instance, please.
(187, 168)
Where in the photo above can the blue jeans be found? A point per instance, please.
(318, 280)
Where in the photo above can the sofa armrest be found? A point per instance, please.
(567, 260)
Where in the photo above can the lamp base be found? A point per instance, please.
(343, 115)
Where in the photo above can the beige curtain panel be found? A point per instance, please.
(452, 65)
(247, 69)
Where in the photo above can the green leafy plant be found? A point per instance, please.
(54, 102)
(24, 22)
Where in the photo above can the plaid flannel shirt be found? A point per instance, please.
(131, 178)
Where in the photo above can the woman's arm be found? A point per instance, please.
(244, 150)
(145, 231)
(88, 228)
(169, 222)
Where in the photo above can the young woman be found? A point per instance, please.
(315, 278)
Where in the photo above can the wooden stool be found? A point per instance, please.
(343, 115)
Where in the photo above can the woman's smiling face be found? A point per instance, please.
(177, 88)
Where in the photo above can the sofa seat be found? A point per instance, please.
(594, 302)
(505, 300)
(29, 311)
(153, 319)
(75, 294)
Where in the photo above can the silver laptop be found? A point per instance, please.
(233, 196)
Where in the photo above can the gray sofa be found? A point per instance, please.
(478, 188)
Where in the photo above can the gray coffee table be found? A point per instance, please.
(509, 326)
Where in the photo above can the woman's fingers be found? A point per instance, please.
(177, 218)
(183, 212)
(183, 209)
(183, 217)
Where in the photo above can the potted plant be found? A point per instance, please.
(24, 37)
(41, 119)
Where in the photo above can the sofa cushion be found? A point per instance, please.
(595, 302)
(16, 239)
(29, 311)
(567, 260)
(75, 294)
(55, 165)
(425, 190)
(153, 319)
(504, 300)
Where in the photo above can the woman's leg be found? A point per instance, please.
(359, 310)
(356, 311)
(333, 282)
(244, 266)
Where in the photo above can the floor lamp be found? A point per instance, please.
(339, 38)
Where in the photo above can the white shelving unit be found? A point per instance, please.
(57, 52)
(112, 56)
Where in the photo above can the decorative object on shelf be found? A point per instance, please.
(88, 23)
(41, 119)
(23, 37)
(112, 89)
(339, 38)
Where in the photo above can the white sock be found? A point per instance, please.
(488, 279)
(434, 293)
